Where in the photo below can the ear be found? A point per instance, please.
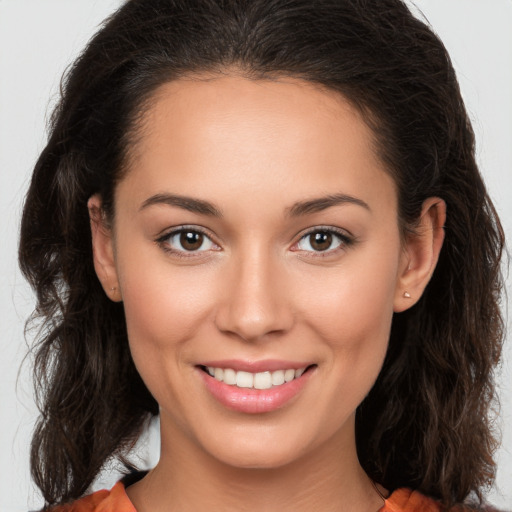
(420, 254)
(103, 249)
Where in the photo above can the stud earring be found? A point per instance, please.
(407, 295)
(115, 294)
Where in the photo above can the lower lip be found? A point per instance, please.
(254, 401)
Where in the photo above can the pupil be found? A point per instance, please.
(191, 240)
(321, 241)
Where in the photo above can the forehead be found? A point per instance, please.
(207, 136)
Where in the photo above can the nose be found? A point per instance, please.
(255, 299)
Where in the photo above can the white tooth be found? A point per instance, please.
(299, 372)
(263, 380)
(278, 377)
(211, 370)
(289, 375)
(244, 379)
(230, 376)
(219, 374)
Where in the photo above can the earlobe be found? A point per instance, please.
(420, 254)
(103, 249)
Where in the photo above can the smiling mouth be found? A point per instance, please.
(260, 380)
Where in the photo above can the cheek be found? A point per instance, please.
(351, 313)
(165, 310)
(355, 303)
(164, 307)
(354, 326)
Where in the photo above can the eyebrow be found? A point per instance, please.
(322, 203)
(187, 203)
(203, 207)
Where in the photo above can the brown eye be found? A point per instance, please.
(322, 240)
(187, 240)
(191, 240)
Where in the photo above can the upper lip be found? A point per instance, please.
(267, 365)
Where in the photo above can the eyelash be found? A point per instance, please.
(345, 241)
(163, 241)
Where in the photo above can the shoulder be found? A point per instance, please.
(406, 500)
(115, 500)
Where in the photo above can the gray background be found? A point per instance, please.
(39, 38)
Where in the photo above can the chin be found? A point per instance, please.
(258, 458)
(251, 450)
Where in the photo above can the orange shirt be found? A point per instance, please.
(116, 500)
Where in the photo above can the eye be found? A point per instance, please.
(185, 240)
(323, 240)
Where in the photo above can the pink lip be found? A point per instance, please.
(268, 365)
(254, 401)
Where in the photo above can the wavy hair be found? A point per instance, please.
(425, 423)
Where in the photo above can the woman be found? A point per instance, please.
(263, 221)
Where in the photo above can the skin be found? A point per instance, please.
(259, 290)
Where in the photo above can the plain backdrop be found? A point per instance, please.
(39, 38)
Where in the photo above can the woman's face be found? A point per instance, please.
(256, 233)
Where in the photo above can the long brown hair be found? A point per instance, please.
(425, 424)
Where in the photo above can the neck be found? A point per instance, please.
(188, 478)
